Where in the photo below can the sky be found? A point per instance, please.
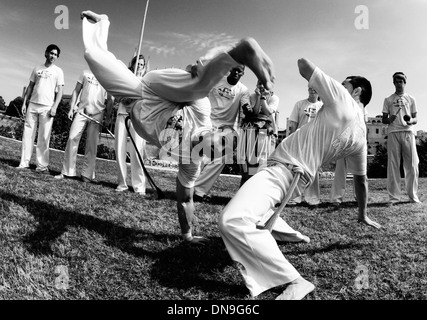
(373, 38)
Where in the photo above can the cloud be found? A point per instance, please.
(172, 43)
(10, 17)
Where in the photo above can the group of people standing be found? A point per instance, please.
(91, 107)
(199, 108)
(400, 114)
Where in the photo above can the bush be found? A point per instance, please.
(378, 167)
(106, 152)
(14, 132)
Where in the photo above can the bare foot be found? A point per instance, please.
(92, 16)
(249, 53)
(305, 239)
(296, 290)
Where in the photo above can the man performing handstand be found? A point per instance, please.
(338, 131)
(168, 94)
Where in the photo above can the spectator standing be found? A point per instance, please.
(44, 94)
(93, 103)
(401, 140)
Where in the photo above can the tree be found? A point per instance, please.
(2, 104)
(14, 108)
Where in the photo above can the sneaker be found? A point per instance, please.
(59, 176)
(22, 168)
(121, 189)
(42, 170)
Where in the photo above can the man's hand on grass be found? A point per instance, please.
(196, 240)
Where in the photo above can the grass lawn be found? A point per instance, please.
(70, 240)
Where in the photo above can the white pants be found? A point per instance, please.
(255, 251)
(80, 123)
(137, 173)
(37, 115)
(402, 144)
(311, 194)
(339, 182)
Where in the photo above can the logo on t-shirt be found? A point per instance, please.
(310, 111)
(226, 93)
(399, 103)
(44, 74)
(92, 80)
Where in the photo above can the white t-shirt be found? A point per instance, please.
(391, 106)
(93, 95)
(304, 111)
(46, 80)
(226, 99)
(337, 131)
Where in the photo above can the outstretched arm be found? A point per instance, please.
(306, 68)
(361, 189)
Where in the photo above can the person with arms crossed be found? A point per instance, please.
(44, 94)
(226, 99)
(303, 112)
(400, 113)
(337, 131)
(167, 94)
(93, 103)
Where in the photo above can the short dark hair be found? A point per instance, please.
(53, 47)
(132, 63)
(365, 85)
(399, 75)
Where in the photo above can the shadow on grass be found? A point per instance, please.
(332, 246)
(188, 266)
(12, 163)
(53, 222)
(181, 266)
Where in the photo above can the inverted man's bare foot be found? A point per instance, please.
(249, 53)
(92, 16)
(296, 290)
